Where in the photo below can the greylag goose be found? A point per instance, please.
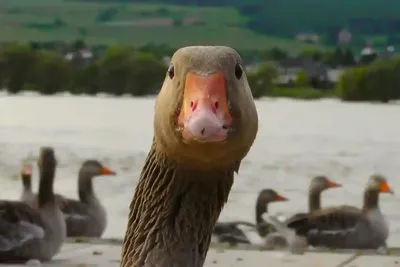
(265, 197)
(86, 216)
(205, 123)
(318, 185)
(27, 195)
(348, 227)
(27, 233)
(285, 237)
(230, 231)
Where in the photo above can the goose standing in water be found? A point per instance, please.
(230, 231)
(27, 195)
(348, 227)
(86, 216)
(27, 233)
(205, 123)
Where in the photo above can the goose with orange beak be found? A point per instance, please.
(318, 185)
(348, 227)
(27, 194)
(205, 123)
(85, 216)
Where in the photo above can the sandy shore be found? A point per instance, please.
(106, 253)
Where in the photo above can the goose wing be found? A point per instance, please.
(335, 227)
(20, 227)
(76, 215)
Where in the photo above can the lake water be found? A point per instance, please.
(296, 141)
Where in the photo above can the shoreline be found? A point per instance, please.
(392, 251)
(107, 253)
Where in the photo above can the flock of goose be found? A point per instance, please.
(341, 227)
(205, 123)
(36, 226)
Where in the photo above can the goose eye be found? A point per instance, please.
(238, 71)
(171, 71)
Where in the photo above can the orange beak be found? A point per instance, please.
(331, 184)
(384, 188)
(106, 171)
(280, 198)
(204, 115)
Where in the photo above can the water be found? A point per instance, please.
(296, 141)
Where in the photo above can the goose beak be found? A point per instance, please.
(332, 184)
(106, 171)
(280, 198)
(204, 115)
(384, 188)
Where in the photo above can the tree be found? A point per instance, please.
(261, 80)
(52, 73)
(17, 63)
(148, 73)
(116, 71)
(377, 81)
(348, 58)
(301, 79)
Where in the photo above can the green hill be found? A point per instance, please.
(133, 24)
(250, 24)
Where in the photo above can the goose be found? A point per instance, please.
(85, 217)
(205, 123)
(232, 233)
(318, 185)
(285, 237)
(33, 234)
(27, 195)
(348, 227)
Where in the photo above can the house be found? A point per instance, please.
(84, 53)
(307, 37)
(369, 54)
(344, 37)
(388, 52)
(289, 67)
(80, 57)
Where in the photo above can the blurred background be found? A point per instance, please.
(81, 76)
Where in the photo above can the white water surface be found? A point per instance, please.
(296, 141)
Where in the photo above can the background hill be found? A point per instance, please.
(250, 24)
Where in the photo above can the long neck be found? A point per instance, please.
(314, 200)
(27, 183)
(172, 214)
(85, 187)
(263, 227)
(46, 194)
(261, 208)
(371, 199)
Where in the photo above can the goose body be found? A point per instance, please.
(27, 233)
(345, 226)
(231, 232)
(204, 125)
